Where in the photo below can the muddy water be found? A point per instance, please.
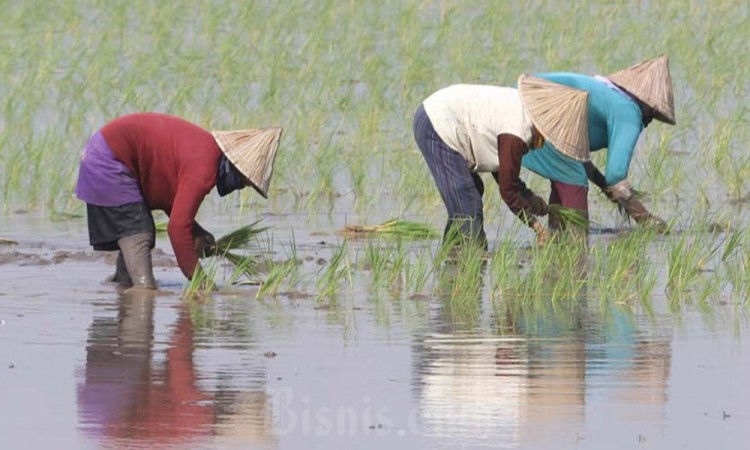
(84, 365)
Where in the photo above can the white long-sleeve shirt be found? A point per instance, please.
(469, 117)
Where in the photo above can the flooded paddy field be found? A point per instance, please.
(88, 365)
(635, 341)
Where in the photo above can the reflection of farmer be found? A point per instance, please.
(126, 395)
(620, 107)
(463, 130)
(141, 162)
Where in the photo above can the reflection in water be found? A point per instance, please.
(534, 376)
(133, 393)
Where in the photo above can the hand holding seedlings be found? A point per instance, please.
(205, 243)
(628, 201)
(542, 234)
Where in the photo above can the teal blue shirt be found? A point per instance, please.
(615, 122)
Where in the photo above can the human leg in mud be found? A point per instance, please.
(460, 189)
(121, 272)
(136, 251)
(129, 229)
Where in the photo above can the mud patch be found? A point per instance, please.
(35, 259)
(295, 295)
(23, 257)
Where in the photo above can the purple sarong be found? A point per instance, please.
(102, 179)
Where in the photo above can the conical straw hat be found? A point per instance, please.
(252, 152)
(560, 113)
(651, 83)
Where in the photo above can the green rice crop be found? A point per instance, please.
(346, 81)
(395, 228)
(568, 216)
(203, 281)
(334, 274)
(241, 238)
(277, 275)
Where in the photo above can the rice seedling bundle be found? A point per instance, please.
(239, 239)
(568, 216)
(396, 228)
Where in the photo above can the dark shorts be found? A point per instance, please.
(107, 224)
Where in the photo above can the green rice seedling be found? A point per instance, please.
(621, 270)
(395, 228)
(506, 268)
(203, 281)
(568, 280)
(733, 169)
(568, 216)
(663, 174)
(732, 244)
(417, 272)
(736, 266)
(468, 272)
(376, 261)
(243, 266)
(335, 272)
(556, 271)
(687, 258)
(241, 238)
(395, 270)
(294, 277)
(357, 165)
(460, 293)
(708, 288)
(246, 265)
(277, 275)
(535, 285)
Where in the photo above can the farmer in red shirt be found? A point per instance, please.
(146, 161)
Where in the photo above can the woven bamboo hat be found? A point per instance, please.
(252, 152)
(650, 82)
(560, 113)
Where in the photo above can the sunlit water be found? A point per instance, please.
(83, 365)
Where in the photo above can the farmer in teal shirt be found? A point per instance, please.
(620, 107)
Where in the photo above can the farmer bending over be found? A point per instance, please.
(620, 107)
(146, 161)
(463, 130)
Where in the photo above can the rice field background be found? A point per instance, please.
(344, 78)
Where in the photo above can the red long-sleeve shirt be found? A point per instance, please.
(175, 163)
